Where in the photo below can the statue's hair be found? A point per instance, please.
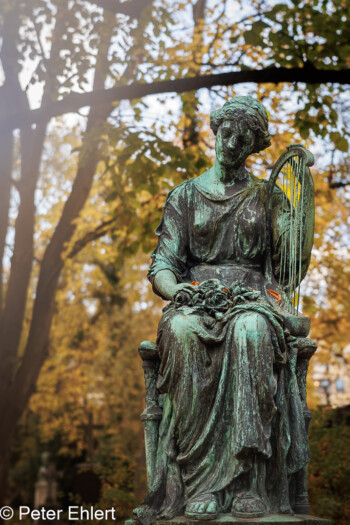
(249, 110)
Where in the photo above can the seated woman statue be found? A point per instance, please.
(232, 431)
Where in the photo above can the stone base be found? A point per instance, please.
(277, 519)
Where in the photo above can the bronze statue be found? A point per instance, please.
(230, 434)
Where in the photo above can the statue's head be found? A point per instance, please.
(241, 128)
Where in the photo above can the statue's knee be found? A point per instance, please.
(252, 325)
(182, 326)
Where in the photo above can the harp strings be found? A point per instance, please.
(301, 219)
(290, 268)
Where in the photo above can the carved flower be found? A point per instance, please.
(210, 284)
(242, 294)
(198, 298)
(182, 298)
(216, 300)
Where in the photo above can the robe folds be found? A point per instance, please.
(229, 385)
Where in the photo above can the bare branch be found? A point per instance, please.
(221, 14)
(97, 233)
(340, 184)
(37, 32)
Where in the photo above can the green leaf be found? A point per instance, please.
(277, 9)
(304, 133)
(252, 38)
(234, 39)
(259, 26)
(339, 141)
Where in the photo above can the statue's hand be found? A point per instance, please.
(181, 286)
(166, 283)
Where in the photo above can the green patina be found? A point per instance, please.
(231, 357)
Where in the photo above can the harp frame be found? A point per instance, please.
(292, 176)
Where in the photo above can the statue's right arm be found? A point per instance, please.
(166, 283)
(169, 260)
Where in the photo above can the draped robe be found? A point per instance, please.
(229, 385)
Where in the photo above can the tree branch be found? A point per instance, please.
(98, 232)
(74, 101)
(335, 185)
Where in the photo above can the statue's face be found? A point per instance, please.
(234, 143)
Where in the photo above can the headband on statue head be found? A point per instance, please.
(248, 105)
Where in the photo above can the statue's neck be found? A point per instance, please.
(229, 175)
(225, 182)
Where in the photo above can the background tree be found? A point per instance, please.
(60, 56)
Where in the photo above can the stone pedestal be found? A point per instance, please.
(280, 519)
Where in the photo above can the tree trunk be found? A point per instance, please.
(5, 451)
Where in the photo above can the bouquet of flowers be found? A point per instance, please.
(212, 298)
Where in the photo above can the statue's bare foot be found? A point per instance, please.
(205, 507)
(248, 505)
(143, 513)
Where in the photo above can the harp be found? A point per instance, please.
(290, 202)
